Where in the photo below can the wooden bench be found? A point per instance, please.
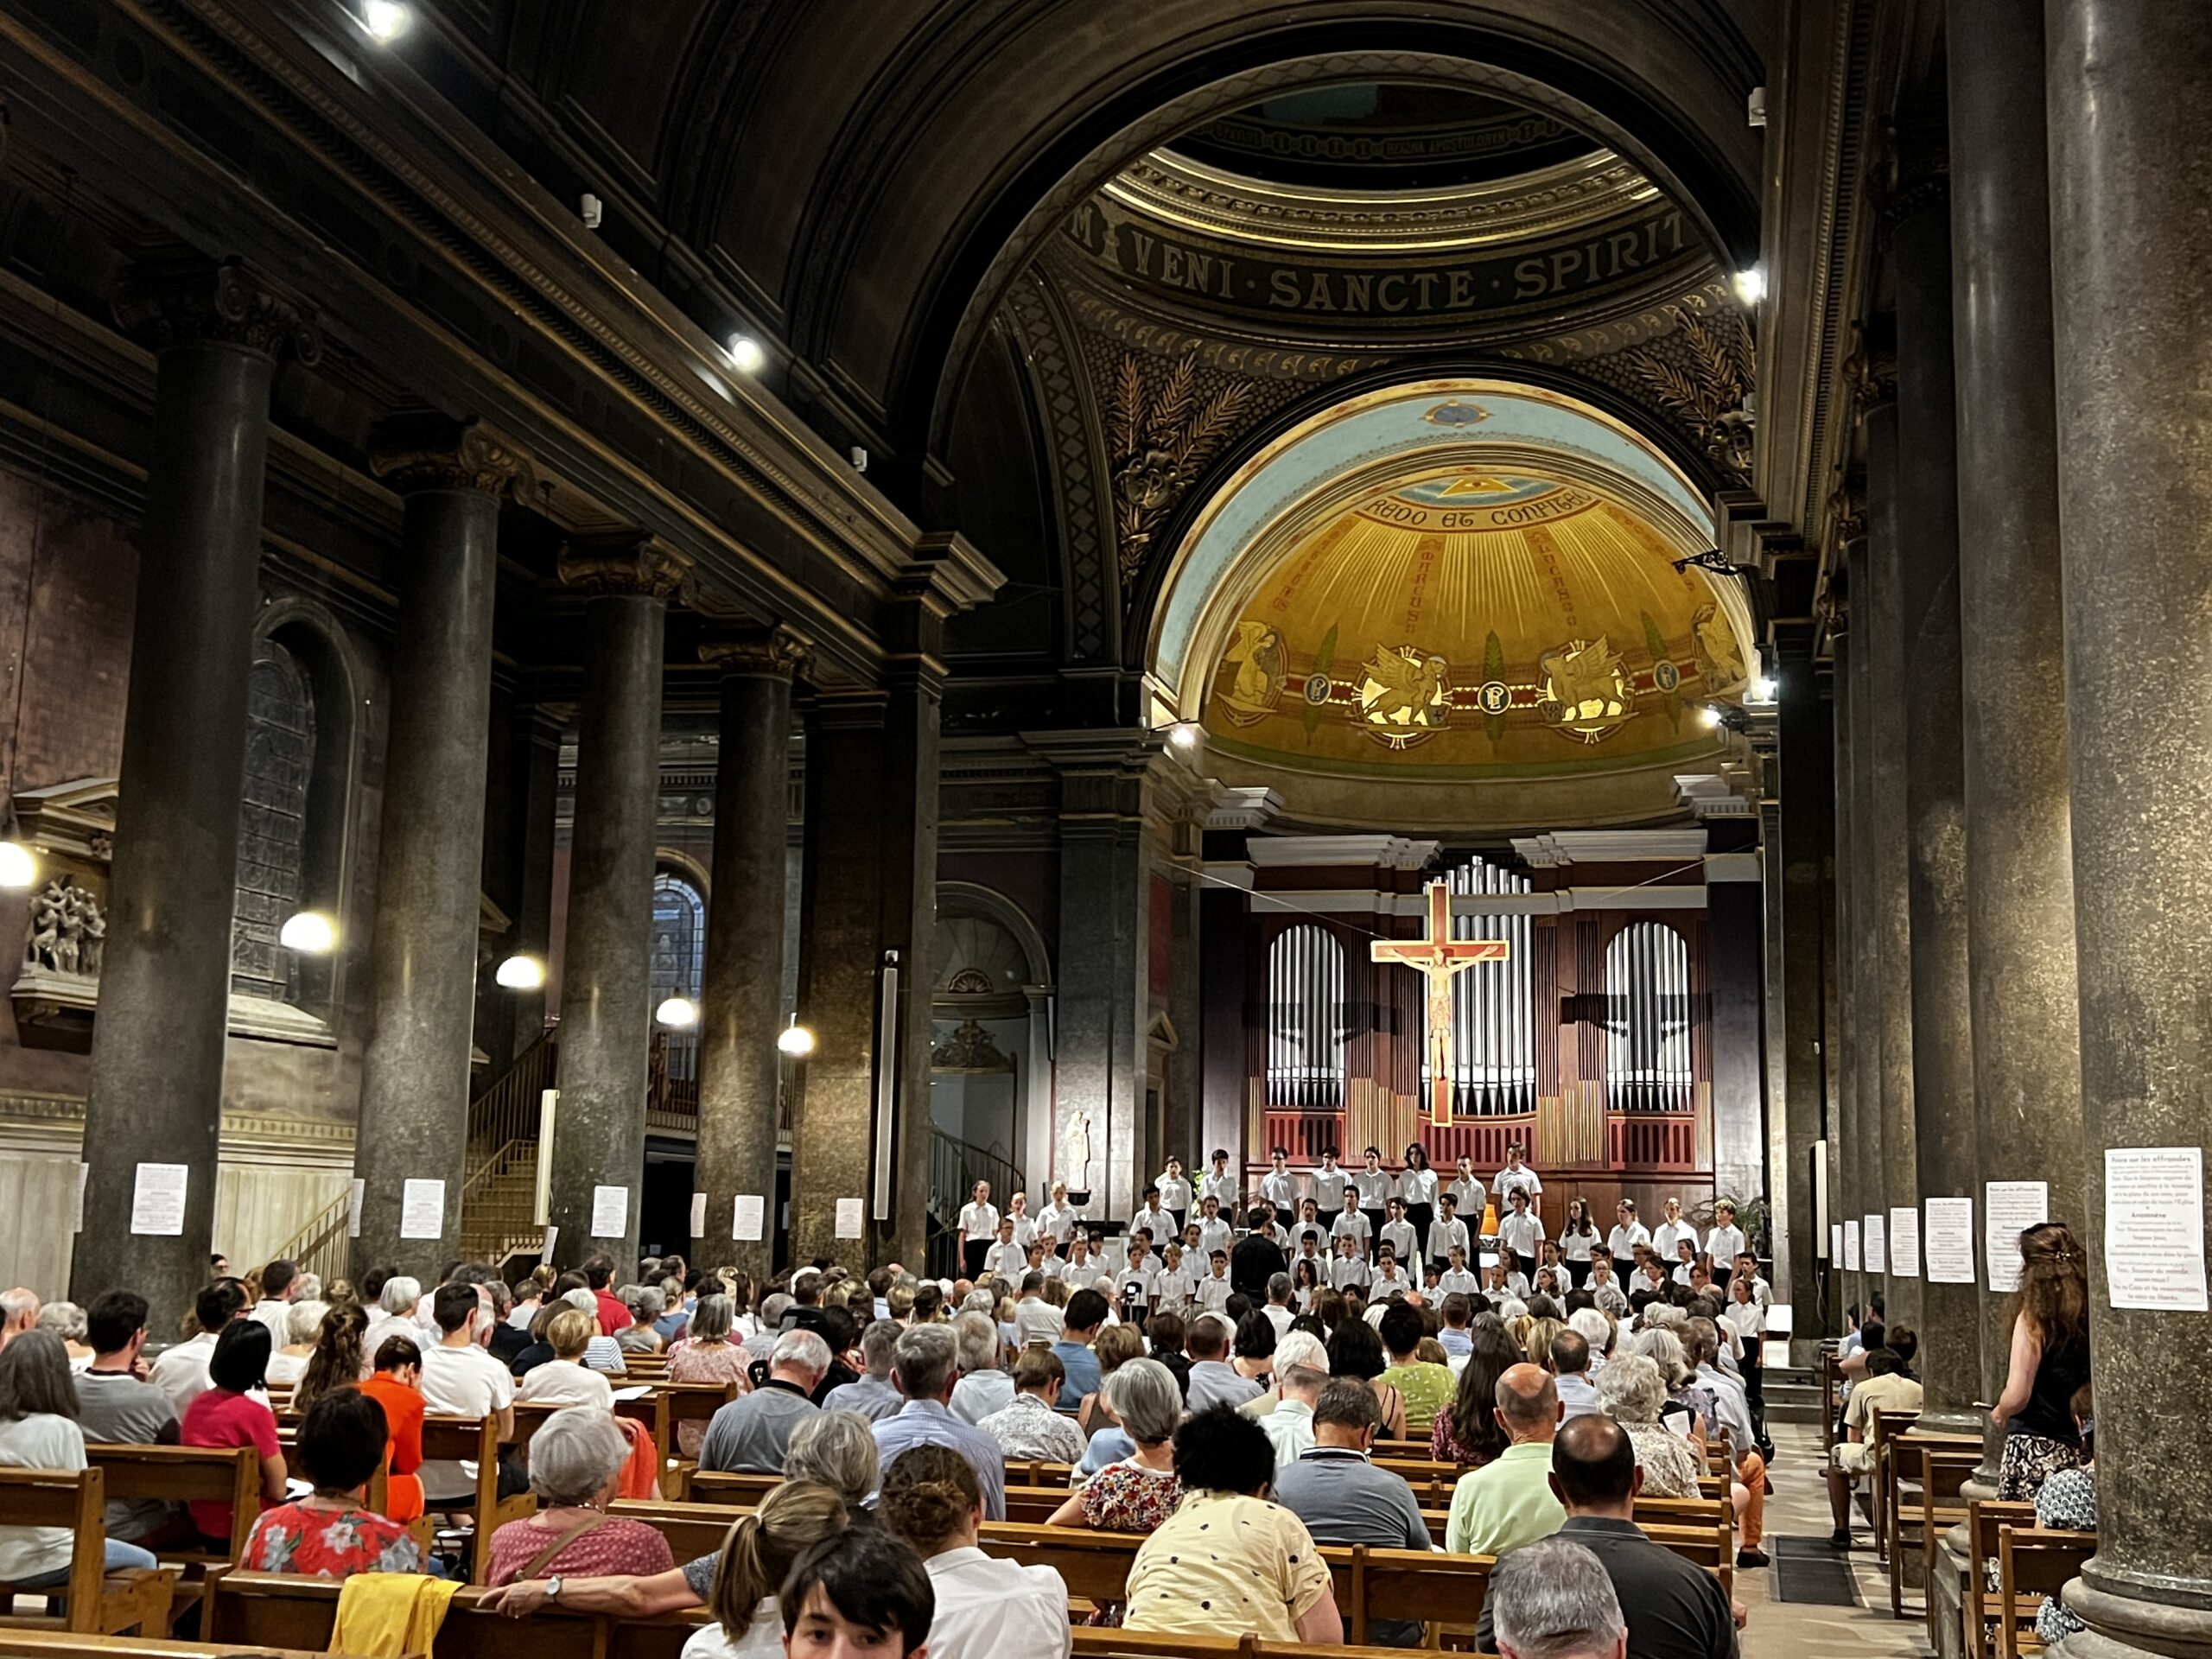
(476, 1439)
(55, 1644)
(1882, 1428)
(187, 1474)
(97, 1604)
(1977, 1605)
(1927, 1473)
(2032, 1562)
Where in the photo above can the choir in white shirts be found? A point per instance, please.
(1446, 1234)
(979, 1220)
(1215, 1290)
(1665, 1235)
(1459, 1280)
(1417, 1187)
(1625, 1237)
(1175, 1282)
(1214, 1234)
(1468, 1193)
(1155, 1219)
(1521, 1233)
(1349, 1271)
(1218, 1183)
(1374, 1187)
(1351, 1225)
(1174, 1188)
(1329, 1183)
(1515, 1175)
(1057, 1220)
(1280, 1188)
(1724, 1244)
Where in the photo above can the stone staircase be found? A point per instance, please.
(1793, 1395)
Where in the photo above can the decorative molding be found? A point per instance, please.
(1371, 852)
(1701, 374)
(755, 653)
(1711, 795)
(970, 1049)
(1244, 808)
(1159, 436)
(76, 819)
(189, 299)
(425, 449)
(633, 563)
(1564, 847)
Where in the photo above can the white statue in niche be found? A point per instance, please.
(67, 931)
(1075, 1153)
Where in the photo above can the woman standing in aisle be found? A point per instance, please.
(2049, 1362)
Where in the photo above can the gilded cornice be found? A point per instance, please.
(424, 449)
(623, 563)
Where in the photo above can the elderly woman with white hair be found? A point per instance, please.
(575, 1471)
(1684, 1412)
(984, 1386)
(1301, 1371)
(66, 1322)
(1634, 1393)
(1141, 1491)
(302, 1325)
(395, 1315)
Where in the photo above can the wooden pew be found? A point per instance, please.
(98, 1605)
(1881, 1429)
(55, 1644)
(185, 1474)
(476, 1439)
(1929, 1471)
(2032, 1562)
(1978, 1607)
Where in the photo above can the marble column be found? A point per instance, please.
(1840, 1126)
(2019, 838)
(1862, 1151)
(870, 894)
(415, 1070)
(742, 1002)
(1942, 1026)
(157, 1090)
(1808, 758)
(2131, 244)
(599, 1138)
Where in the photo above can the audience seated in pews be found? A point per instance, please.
(753, 1563)
(750, 1435)
(1356, 1351)
(1887, 1384)
(875, 1396)
(460, 1379)
(2048, 1362)
(1228, 1562)
(644, 1304)
(1139, 1490)
(1214, 1379)
(1028, 1427)
(1552, 1600)
(1344, 1499)
(115, 1408)
(1165, 1332)
(233, 1411)
(1508, 1501)
(331, 1533)
(984, 1386)
(1570, 1369)
(1301, 1363)
(709, 1353)
(985, 1607)
(397, 1385)
(1633, 1392)
(396, 1304)
(278, 1291)
(1425, 1386)
(576, 1460)
(926, 1366)
(1103, 1441)
(180, 1371)
(564, 1380)
(1731, 1414)
(39, 1430)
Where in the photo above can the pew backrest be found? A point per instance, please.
(186, 1474)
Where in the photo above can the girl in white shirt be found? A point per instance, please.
(1578, 1237)
(1025, 1227)
(1417, 1189)
(1280, 1187)
(979, 1226)
(1672, 1228)
(1329, 1183)
(564, 1380)
(1457, 1277)
(1519, 1233)
(1175, 1283)
(762, 1549)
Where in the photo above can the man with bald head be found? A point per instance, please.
(1510, 1502)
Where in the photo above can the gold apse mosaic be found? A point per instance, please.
(1477, 621)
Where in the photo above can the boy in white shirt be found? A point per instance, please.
(1352, 1224)
(979, 1226)
(1446, 1230)
(1747, 1267)
(1057, 1218)
(1218, 1183)
(1007, 1257)
(1215, 1290)
(1135, 1281)
(1469, 1197)
(1152, 1217)
(1329, 1182)
(1175, 1283)
(1349, 1271)
(1308, 1225)
(1685, 1259)
(1672, 1228)
(1628, 1232)
(1309, 1249)
(1374, 1186)
(1175, 1190)
(1519, 1233)
(1280, 1187)
(1078, 1270)
(1458, 1278)
(1214, 1233)
(1397, 1234)
(1505, 1279)
(1516, 1174)
(1725, 1242)
(1387, 1281)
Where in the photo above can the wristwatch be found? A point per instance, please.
(553, 1588)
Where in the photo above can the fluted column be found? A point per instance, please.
(157, 1090)
(1943, 1029)
(2019, 838)
(414, 1071)
(606, 995)
(741, 1000)
(2131, 243)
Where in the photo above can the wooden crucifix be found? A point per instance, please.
(1441, 957)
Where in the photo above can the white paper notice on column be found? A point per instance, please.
(610, 1211)
(356, 1190)
(2154, 1227)
(421, 1209)
(1948, 1241)
(157, 1200)
(851, 1213)
(1877, 1242)
(84, 1173)
(1905, 1243)
(698, 1215)
(1851, 1246)
(1836, 1242)
(2009, 1208)
(745, 1220)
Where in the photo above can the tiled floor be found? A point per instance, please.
(1799, 1508)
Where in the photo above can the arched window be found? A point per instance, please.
(1493, 1008)
(280, 763)
(1647, 1019)
(1306, 1019)
(679, 946)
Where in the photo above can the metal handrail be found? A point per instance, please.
(319, 1246)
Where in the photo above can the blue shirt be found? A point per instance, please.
(1080, 1366)
(926, 1422)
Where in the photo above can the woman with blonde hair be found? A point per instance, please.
(2049, 1360)
(340, 1360)
(1536, 1341)
(564, 1380)
(755, 1557)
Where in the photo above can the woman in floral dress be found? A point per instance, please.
(331, 1533)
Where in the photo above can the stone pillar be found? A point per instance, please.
(415, 1070)
(1928, 546)
(1808, 781)
(741, 1003)
(870, 893)
(1861, 1156)
(1225, 997)
(599, 1137)
(1842, 1124)
(2131, 245)
(2019, 841)
(157, 1042)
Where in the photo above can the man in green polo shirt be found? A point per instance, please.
(1510, 1502)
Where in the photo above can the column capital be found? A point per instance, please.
(755, 653)
(190, 300)
(634, 563)
(1870, 372)
(426, 449)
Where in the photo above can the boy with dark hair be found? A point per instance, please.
(853, 1593)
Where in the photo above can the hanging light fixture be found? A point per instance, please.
(677, 1013)
(310, 932)
(18, 868)
(796, 1039)
(520, 972)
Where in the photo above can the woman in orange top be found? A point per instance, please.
(397, 1386)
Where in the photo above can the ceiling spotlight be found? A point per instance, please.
(1763, 690)
(310, 932)
(677, 1013)
(1710, 716)
(796, 1039)
(18, 869)
(385, 20)
(1751, 285)
(1184, 734)
(521, 972)
(745, 353)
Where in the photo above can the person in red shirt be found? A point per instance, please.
(235, 1412)
(329, 1533)
(614, 1313)
(398, 1387)
(575, 1471)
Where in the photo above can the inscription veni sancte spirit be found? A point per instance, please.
(1370, 288)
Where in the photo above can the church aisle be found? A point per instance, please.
(1799, 1508)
